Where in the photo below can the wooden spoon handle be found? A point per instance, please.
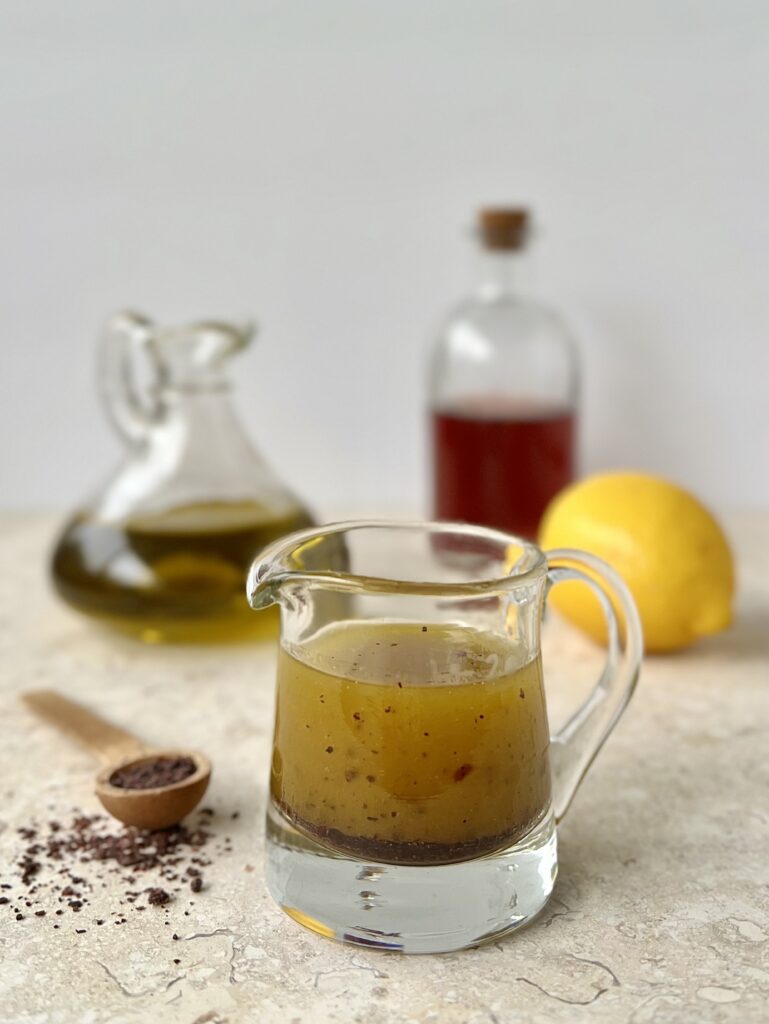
(103, 739)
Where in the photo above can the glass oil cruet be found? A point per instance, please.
(163, 551)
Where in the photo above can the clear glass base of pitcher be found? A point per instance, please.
(432, 909)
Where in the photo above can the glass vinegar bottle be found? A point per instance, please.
(503, 395)
(163, 551)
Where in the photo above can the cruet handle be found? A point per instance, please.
(127, 336)
(574, 747)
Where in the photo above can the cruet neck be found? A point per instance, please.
(179, 360)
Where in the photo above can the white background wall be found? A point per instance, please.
(316, 162)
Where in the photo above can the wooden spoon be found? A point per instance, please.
(159, 807)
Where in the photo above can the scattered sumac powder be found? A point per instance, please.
(157, 897)
(59, 867)
(149, 774)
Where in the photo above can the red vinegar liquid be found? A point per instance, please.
(499, 463)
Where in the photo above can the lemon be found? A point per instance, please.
(664, 543)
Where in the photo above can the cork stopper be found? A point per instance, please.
(503, 227)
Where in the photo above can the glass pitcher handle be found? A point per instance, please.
(574, 747)
(125, 337)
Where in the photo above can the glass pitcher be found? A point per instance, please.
(415, 786)
(163, 550)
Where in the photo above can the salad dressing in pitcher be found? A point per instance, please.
(163, 552)
(424, 744)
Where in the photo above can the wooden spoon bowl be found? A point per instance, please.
(159, 806)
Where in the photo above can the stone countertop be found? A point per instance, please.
(660, 913)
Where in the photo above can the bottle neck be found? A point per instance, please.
(498, 272)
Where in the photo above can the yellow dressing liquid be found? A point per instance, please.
(410, 743)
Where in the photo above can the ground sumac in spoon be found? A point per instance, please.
(153, 773)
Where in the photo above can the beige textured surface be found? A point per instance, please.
(661, 911)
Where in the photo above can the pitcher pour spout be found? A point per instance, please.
(269, 571)
(261, 585)
(307, 561)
